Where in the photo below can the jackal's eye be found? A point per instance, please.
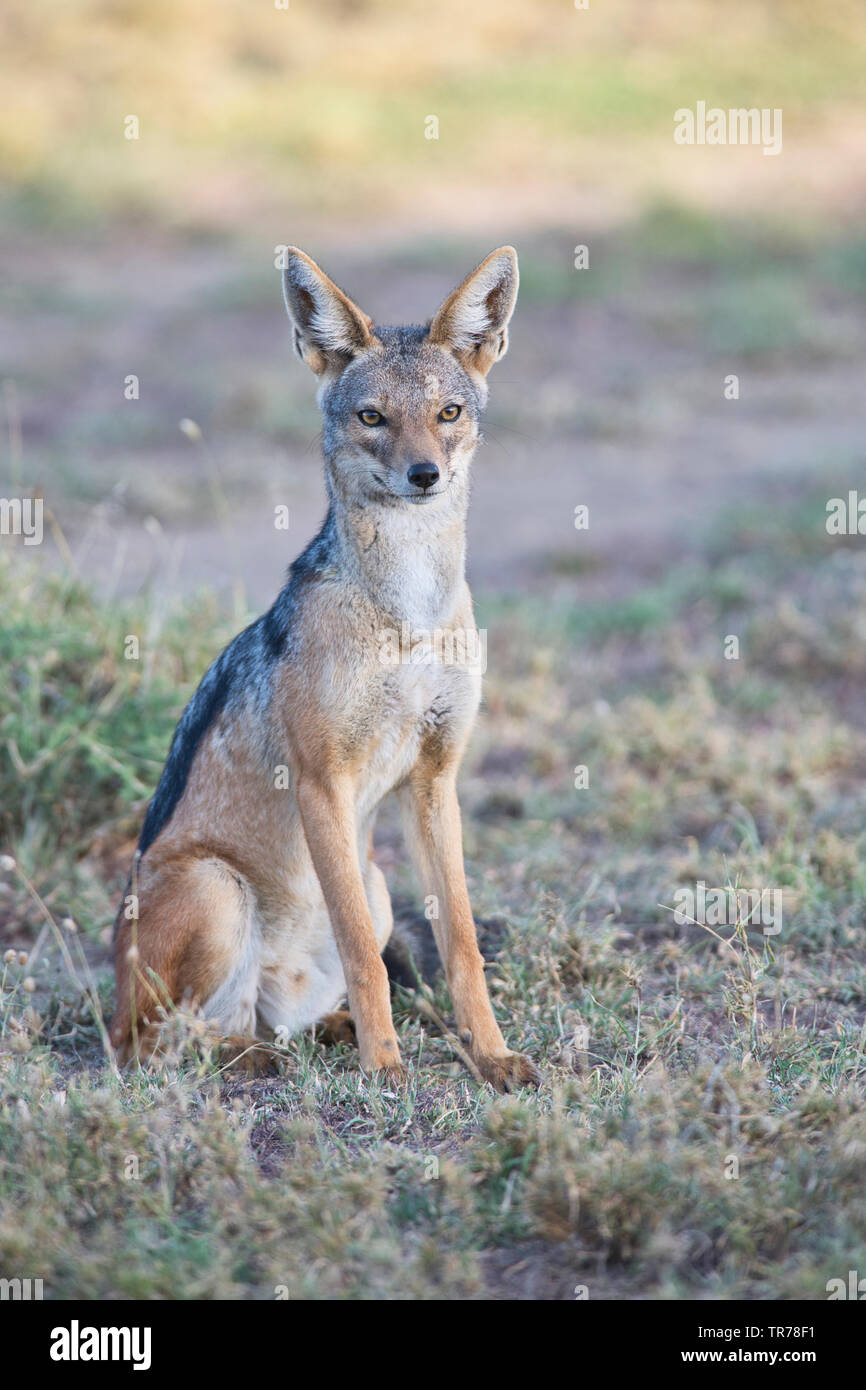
(371, 417)
(449, 412)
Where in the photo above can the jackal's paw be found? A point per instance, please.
(248, 1056)
(508, 1072)
(385, 1061)
(395, 1074)
(336, 1028)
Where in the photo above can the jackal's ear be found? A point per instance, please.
(473, 321)
(328, 328)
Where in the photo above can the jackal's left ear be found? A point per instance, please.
(473, 321)
(329, 328)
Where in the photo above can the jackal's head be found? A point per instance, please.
(401, 405)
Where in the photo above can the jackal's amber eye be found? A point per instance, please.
(450, 412)
(371, 417)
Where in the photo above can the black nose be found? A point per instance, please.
(423, 474)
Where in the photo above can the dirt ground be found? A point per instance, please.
(612, 396)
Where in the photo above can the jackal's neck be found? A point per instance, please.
(409, 561)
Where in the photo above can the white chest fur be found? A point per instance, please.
(422, 697)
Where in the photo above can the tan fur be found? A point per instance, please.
(262, 906)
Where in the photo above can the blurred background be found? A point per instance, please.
(620, 754)
(258, 126)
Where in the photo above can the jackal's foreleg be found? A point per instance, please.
(328, 815)
(434, 834)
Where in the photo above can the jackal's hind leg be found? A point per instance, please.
(190, 946)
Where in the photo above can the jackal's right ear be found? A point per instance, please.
(328, 328)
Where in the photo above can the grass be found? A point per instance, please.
(700, 1131)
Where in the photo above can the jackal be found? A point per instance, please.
(257, 897)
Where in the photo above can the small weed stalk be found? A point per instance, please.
(746, 976)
